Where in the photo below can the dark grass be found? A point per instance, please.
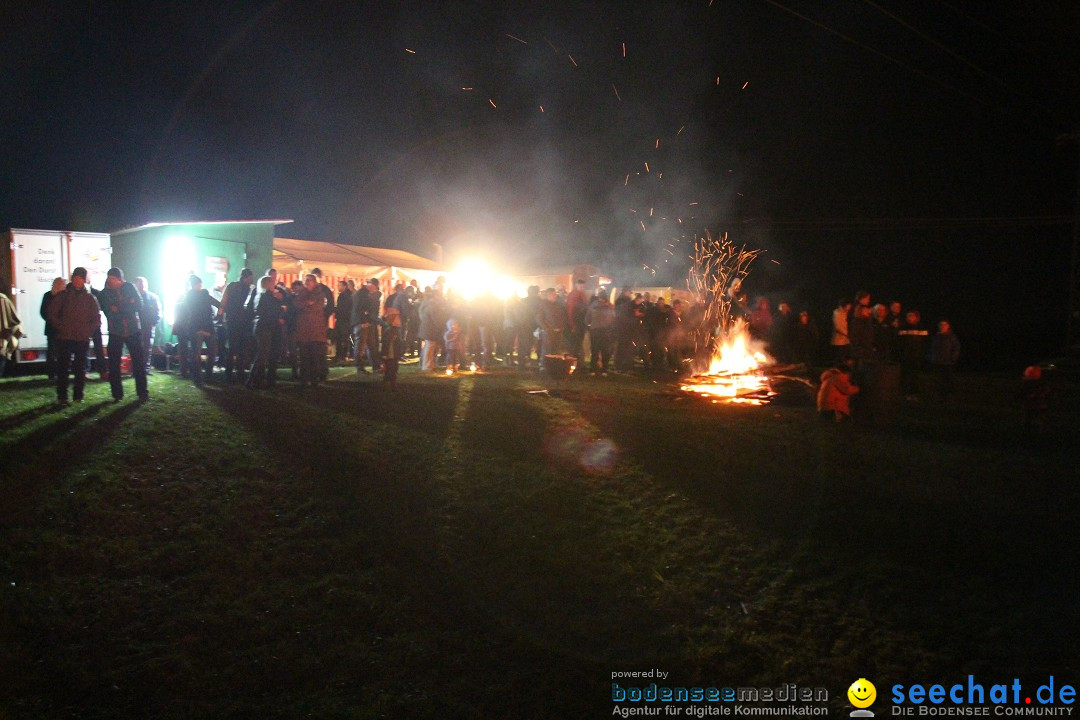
(441, 550)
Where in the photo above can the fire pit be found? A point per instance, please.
(736, 373)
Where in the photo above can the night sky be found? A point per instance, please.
(835, 135)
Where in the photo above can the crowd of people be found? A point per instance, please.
(251, 327)
(866, 337)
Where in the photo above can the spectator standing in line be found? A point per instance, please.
(195, 318)
(551, 318)
(149, 316)
(271, 310)
(76, 316)
(52, 347)
(310, 337)
(526, 326)
(455, 341)
(238, 324)
(600, 319)
(624, 330)
(884, 335)
(841, 337)
(121, 304)
(944, 354)
(432, 320)
(804, 344)
(577, 305)
(911, 339)
(342, 322)
(328, 312)
(365, 316)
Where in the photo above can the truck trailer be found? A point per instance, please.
(33, 258)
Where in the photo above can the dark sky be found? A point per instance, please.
(116, 114)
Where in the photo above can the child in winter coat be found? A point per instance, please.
(454, 345)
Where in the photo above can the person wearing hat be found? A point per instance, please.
(75, 317)
(121, 303)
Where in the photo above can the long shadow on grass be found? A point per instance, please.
(36, 460)
(13, 385)
(14, 421)
(385, 479)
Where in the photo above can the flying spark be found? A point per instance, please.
(492, 103)
(657, 143)
(745, 84)
(541, 108)
(642, 225)
(627, 180)
(466, 88)
(680, 130)
(410, 51)
(624, 49)
(647, 167)
(515, 37)
(616, 92)
(572, 60)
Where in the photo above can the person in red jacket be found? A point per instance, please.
(834, 395)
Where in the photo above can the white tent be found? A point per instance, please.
(294, 258)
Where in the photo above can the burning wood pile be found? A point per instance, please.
(735, 369)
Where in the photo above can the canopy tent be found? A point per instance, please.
(294, 258)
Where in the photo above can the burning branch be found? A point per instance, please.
(715, 278)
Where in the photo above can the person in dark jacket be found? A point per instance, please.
(197, 322)
(365, 318)
(884, 335)
(52, 347)
(600, 320)
(624, 330)
(804, 339)
(343, 323)
(238, 324)
(862, 334)
(76, 316)
(577, 305)
(432, 321)
(525, 324)
(911, 339)
(149, 316)
(943, 356)
(271, 309)
(121, 303)
(552, 319)
(310, 334)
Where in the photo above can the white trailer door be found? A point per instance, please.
(38, 257)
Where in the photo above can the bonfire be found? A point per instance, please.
(734, 368)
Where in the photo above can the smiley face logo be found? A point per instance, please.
(862, 693)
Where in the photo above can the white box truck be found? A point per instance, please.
(33, 259)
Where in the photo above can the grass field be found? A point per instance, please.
(461, 547)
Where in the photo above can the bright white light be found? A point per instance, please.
(506, 287)
(471, 278)
(177, 260)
